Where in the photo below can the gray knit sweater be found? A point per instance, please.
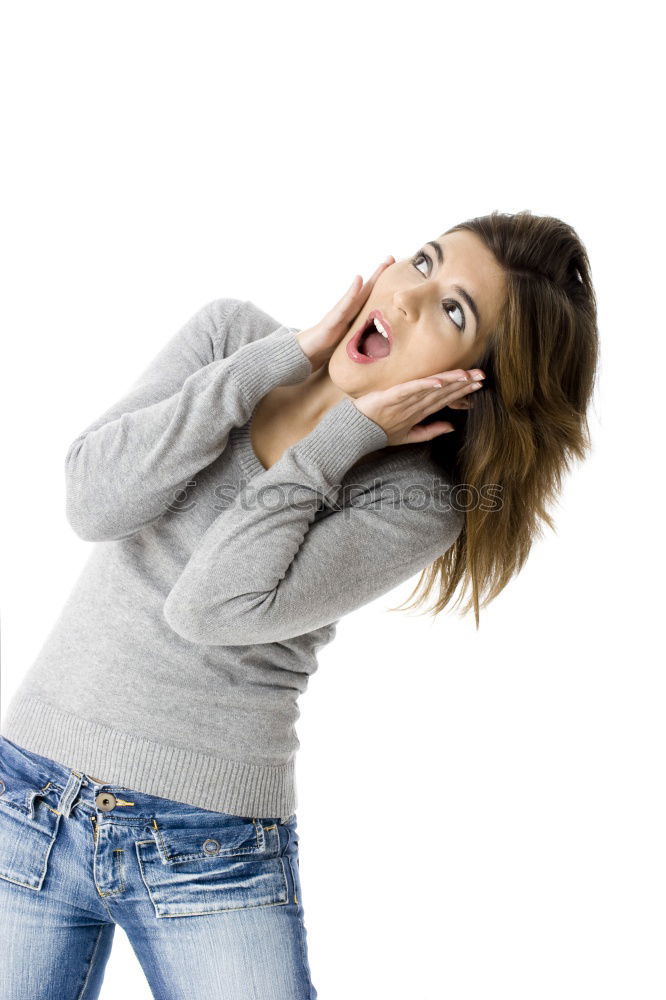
(176, 663)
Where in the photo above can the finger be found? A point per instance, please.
(382, 267)
(426, 432)
(354, 288)
(352, 291)
(457, 397)
(340, 310)
(419, 387)
(438, 399)
(367, 287)
(416, 387)
(431, 404)
(349, 306)
(422, 403)
(461, 375)
(452, 390)
(449, 379)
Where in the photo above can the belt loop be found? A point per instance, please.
(70, 792)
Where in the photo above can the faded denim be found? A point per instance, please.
(211, 902)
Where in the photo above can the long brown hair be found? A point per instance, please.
(526, 427)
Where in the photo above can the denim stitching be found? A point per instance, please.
(200, 912)
(301, 936)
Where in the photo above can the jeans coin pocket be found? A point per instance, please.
(28, 828)
(199, 863)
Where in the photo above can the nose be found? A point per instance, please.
(408, 302)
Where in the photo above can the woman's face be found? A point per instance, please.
(430, 323)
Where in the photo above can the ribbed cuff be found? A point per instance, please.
(277, 359)
(343, 435)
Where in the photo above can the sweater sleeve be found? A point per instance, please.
(266, 571)
(125, 469)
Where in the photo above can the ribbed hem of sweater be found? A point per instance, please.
(198, 779)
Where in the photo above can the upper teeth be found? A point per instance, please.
(380, 327)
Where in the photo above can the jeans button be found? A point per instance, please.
(105, 801)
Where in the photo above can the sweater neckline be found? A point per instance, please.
(395, 458)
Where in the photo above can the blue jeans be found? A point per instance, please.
(210, 902)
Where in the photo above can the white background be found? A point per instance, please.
(481, 814)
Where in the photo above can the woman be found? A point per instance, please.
(254, 485)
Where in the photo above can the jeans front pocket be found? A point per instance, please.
(28, 826)
(203, 862)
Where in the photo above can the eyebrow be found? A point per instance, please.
(461, 291)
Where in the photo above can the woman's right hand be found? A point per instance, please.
(399, 410)
(319, 341)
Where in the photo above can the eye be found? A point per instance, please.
(422, 256)
(452, 304)
(447, 303)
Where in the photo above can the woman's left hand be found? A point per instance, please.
(318, 342)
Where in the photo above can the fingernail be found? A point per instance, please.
(388, 259)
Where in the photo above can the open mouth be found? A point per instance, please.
(371, 342)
